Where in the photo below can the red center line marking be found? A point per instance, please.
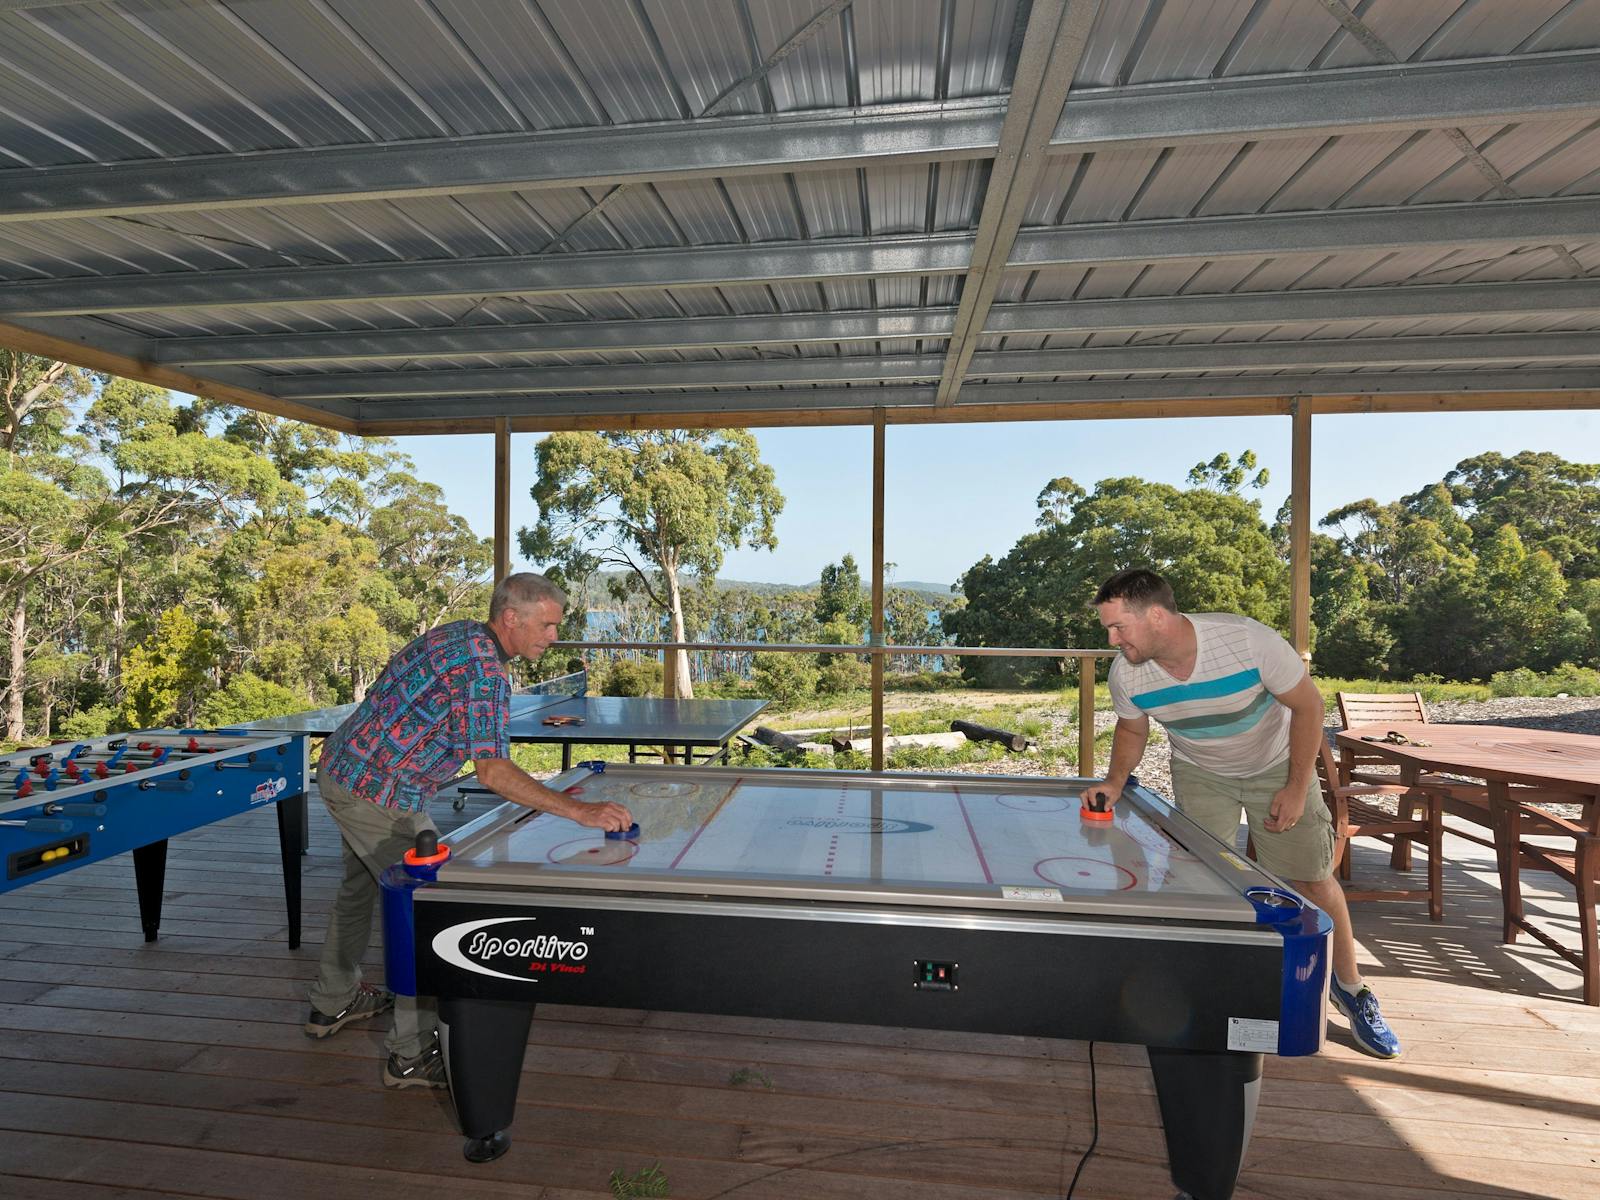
(977, 849)
(721, 804)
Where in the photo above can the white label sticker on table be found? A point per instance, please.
(1259, 1037)
(1031, 893)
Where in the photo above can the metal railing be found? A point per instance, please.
(1086, 673)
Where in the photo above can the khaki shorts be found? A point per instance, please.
(1300, 854)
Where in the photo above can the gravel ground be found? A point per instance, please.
(1572, 714)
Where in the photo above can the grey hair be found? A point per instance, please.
(522, 589)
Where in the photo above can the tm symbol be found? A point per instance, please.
(586, 930)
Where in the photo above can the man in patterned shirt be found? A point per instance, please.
(1244, 721)
(441, 701)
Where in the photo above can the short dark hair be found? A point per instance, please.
(1138, 588)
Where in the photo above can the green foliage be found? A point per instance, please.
(651, 1181)
(1431, 688)
(1222, 474)
(1566, 679)
(631, 677)
(89, 722)
(1552, 503)
(661, 504)
(788, 679)
(165, 676)
(1495, 567)
(841, 673)
(840, 598)
(248, 697)
(1212, 546)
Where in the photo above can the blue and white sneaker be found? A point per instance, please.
(1372, 1032)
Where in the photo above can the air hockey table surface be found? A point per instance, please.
(946, 841)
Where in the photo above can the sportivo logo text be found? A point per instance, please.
(511, 948)
(860, 824)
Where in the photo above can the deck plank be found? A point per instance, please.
(178, 1069)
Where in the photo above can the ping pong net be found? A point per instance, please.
(548, 693)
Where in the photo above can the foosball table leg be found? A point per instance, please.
(150, 875)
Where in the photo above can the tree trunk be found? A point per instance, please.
(677, 664)
(18, 677)
(119, 623)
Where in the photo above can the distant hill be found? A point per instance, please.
(598, 597)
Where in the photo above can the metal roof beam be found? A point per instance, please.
(1522, 222)
(1094, 360)
(983, 401)
(1051, 50)
(1310, 103)
(1151, 313)
(1319, 353)
(500, 162)
(1517, 222)
(525, 275)
(1488, 91)
(665, 333)
(1148, 313)
(634, 377)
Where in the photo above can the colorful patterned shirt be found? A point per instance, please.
(442, 700)
(1223, 718)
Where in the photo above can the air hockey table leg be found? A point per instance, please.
(483, 1042)
(150, 877)
(291, 841)
(1208, 1105)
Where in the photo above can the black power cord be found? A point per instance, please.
(1094, 1129)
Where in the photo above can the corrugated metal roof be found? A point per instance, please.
(440, 210)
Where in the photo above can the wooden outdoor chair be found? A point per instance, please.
(1518, 818)
(1373, 708)
(1419, 820)
(1467, 802)
(1354, 814)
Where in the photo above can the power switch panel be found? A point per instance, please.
(935, 976)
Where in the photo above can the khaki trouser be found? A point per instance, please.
(372, 838)
(1300, 854)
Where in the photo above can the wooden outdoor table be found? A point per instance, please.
(1508, 760)
(1496, 754)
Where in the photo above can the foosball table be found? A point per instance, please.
(73, 803)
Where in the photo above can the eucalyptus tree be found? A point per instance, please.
(656, 503)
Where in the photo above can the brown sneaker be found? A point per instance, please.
(425, 1070)
(368, 1001)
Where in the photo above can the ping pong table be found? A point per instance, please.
(561, 712)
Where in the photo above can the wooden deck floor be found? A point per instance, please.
(179, 1069)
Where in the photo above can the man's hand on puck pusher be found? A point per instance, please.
(505, 778)
(1100, 796)
(603, 814)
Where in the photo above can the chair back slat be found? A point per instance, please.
(1371, 708)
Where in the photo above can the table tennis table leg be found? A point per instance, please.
(566, 756)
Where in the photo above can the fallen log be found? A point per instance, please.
(982, 733)
(778, 741)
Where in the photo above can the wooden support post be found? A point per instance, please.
(502, 498)
(1300, 529)
(1086, 717)
(877, 588)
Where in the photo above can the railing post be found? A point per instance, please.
(1086, 716)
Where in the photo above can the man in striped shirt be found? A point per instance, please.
(1243, 719)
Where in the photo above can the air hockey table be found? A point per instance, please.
(960, 902)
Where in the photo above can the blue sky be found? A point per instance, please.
(958, 492)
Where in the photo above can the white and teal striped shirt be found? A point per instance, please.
(1223, 718)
